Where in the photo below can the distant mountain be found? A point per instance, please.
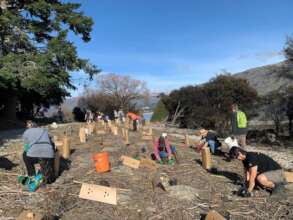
(269, 78)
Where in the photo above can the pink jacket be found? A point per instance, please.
(156, 149)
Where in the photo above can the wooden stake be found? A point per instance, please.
(66, 148)
(187, 142)
(206, 158)
(82, 135)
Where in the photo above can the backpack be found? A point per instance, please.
(241, 119)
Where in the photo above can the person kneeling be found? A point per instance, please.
(209, 139)
(259, 168)
(163, 150)
(38, 149)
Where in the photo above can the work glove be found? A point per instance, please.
(171, 162)
(26, 147)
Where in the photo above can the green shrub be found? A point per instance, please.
(160, 112)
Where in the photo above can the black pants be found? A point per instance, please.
(46, 164)
(135, 125)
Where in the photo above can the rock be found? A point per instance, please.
(122, 169)
(151, 209)
(182, 192)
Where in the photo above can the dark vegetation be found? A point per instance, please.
(208, 105)
(36, 59)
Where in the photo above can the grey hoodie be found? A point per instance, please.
(39, 141)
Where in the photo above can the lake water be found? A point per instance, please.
(148, 115)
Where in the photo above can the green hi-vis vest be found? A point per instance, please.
(241, 119)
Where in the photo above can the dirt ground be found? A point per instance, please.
(197, 191)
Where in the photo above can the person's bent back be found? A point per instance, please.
(38, 149)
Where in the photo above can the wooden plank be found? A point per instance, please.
(98, 193)
(288, 176)
(130, 162)
(206, 158)
(214, 215)
(30, 215)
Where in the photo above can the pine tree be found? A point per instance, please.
(36, 58)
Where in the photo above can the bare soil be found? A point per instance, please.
(197, 191)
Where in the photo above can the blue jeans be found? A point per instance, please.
(163, 154)
(213, 146)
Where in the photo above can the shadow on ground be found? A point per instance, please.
(6, 164)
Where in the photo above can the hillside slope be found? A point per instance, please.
(268, 78)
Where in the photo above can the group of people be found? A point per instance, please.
(259, 168)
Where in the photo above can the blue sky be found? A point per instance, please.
(172, 43)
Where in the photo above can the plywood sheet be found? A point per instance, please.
(214, 215)
(288, 176)
(130, 162)
(98, 193)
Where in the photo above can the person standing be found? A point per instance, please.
(239, 125)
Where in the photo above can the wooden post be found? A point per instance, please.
(126, 138)
(115, 130)
(82, 135)
(66, 148)
(206, 158)
(187, 142)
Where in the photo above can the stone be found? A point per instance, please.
(182, 192)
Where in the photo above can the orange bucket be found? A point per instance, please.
(102, 162)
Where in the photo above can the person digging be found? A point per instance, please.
(38, 149)
(163, 151)
(260, 169)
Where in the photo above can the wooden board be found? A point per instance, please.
(214, 215)
(98, 193)
(130, 162)
(288, 176)
(206, 158)
(29, 215)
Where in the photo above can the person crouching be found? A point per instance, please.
(209, 139)
(260, 168)
(38, 149)
(163, 151)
